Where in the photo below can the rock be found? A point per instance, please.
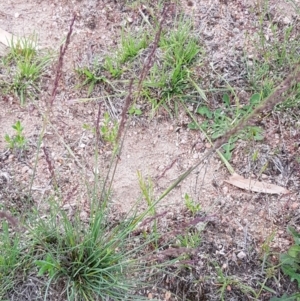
(286, 21)
(241, 255)
(25, 169)
(161, 167)
(236, 30)
(198, 146)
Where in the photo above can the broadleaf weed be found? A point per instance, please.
(16, 142)
(291, 260)
(216, 122)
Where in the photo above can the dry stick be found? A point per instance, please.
(97, 145)
(268, 104)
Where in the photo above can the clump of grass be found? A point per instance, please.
(166, 67)
(24, 67)
(169, 78)
(95, 261)
(13, 256)
(131, 45)
(92, 260)
(277, 52)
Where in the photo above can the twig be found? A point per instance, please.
(167, 168)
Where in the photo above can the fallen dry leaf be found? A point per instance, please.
(5, 37)
(253, 185)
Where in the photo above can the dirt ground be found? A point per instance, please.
(161, 148)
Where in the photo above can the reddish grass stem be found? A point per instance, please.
(59, 66)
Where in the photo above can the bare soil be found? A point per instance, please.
(239, 222)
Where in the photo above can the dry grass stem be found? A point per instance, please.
(128, 101)
(59, 66)
(150, 59)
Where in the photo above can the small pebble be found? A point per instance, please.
(235, 30)
(241, 255)
(24, 169)
(286, 21)
(161, 167)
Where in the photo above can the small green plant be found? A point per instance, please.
(16, 142)
(130, 46)
(192, 239)
(91, 77)
(134, 110)
(49, 265)
(95, 261)
(109, 129)
(11, 259)
(146, 187)
(217, 122)
(26, 67)
(276, 55)
(191, 205)
(113, 67)
(290, 265)
(291, 260)
(226, 282)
